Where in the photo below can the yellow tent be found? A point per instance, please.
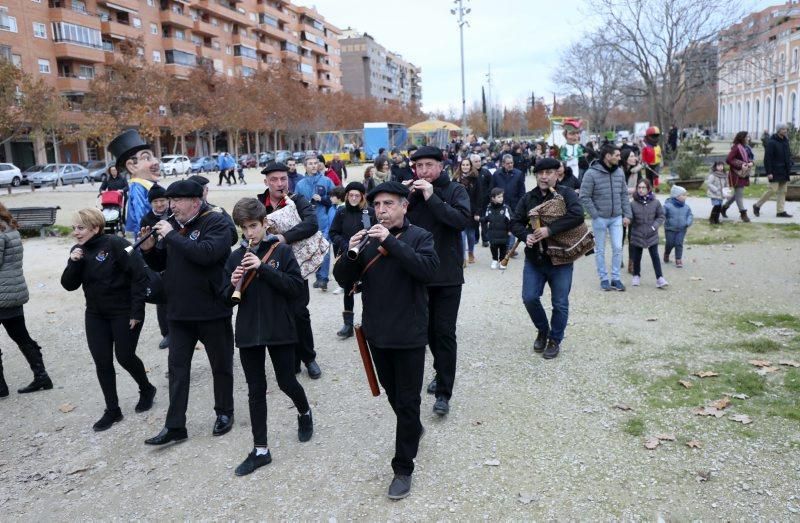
(429, 126)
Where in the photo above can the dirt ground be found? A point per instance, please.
(526, 438)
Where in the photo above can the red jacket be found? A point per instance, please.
(330, 173)
(735, 160)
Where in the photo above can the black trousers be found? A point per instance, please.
(17, 331)
(253, 360)
(305, 336)
(400, 372)
(636, 256)
(498, 251)
(107, 337)
(217, 336)
(161, 314)
(349, 299)
(443, 303)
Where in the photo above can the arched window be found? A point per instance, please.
(779, 118)
(793, 108)
(768, 114)
(757, 117)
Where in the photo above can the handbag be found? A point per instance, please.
(567, 246)
(309, 252)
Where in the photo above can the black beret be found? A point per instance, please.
(273, 167)
(426, 151)
(185, 189)
(543, 164)
(389, 187)
(355, 186)
(155, 192)
(202, 180)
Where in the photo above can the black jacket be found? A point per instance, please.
(394, 292)
(778, 159)
(570, 181)
(194, 261)
(308, 216)
(345, 224)
(485, 188)
(231, 225)
(265, 315)
(472, 186)
(115, 184)
(402, 171)
(114, 282)
(498, 223)
(445, 214)
(521, 227)
(512, 183)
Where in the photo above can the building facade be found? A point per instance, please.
(68, 42)
(368, 69)
(759, 73)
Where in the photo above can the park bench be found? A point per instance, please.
(32, 218)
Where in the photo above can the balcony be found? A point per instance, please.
(322, 66)
(83, 53)
(186, 46)
(275, 13)
(168, 16)
(128, 6)
(246, 41)
(119, 31)
(267, 47)
(223, 12)
(204, 28)
(209, 52)
(83, 18)
(272, 31)
(245, 61)
(178, 70)
(72, 84)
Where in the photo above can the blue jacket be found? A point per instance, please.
(512, 183)
(138, 204)
(308, 186)
(226, 162)
(678, 217)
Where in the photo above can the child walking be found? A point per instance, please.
(648, 216)
(498, 226)
(678, 218)
(270, 279)
(717, 184)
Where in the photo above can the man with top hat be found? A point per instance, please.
(196, 246)
(443, 208)
(572, 151)
(395, 304)
(277, 182)
(135, 158)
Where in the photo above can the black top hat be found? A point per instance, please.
(125, 145)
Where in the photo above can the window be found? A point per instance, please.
(140, 51)
(226, 27)
(7, 23)
(153, 29)
(264, 19)
(214, 22)
(86, 72)
(173, 56)
(306, 69)
(37, 1)
(230, 71)
(137, 23)
(103, 14)
(228, 49)
(39, 30)
(794, 59)
(44, 66)
(76, 34)
(156, 56)
(179, 34)
(79, 6)
(247, 52)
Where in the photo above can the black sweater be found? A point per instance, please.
(394, 290)
(114, 283)
(346, 223)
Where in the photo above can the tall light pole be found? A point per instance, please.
(460, 11)
(489, 109)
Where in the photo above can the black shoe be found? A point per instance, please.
(441, 406)
(783, 215)
(552, 349)
(485, 244)
(166, 436)
(345, 332)
(3, 388)
(541, 341)
(314, 372)
(432, 386)
(400, 487)
(109, 418)
(724, 211)
(756, 210)
(305, 426)
(323, 286)
(316, 284)
(146, 399)
(164, 343)
(252, 462)
(38, 383)
(222, 425)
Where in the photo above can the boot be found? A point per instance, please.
(471, 258)
(714, 218)
(724, 209)
(41, 381)
(3, 386)
(347, 329)
(743, 214)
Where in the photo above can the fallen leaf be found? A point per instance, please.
(686, 384)
(66, 407)
(708, 411)
(651, 443)
(715, 290)
(721, 404)
(744, 419)
(759, 363)
(756, 323)
(789, 363)
(622, 406)
(694, 444)
(738, 395)
(492, 462)
(696, 278)
(666, 437)
(79, 470)
(652, 319)
(706, 374)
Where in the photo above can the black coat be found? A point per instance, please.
(445, 214)
(194, 262)
(345, 224)
(485, 188)
(498, 223)
(231, 226)
(402, 171)
(266, 314)
(570, 181)
(512, 183)
(778, 159)
(308, 216)
(114, 282)
(114, 184)
(521, 227)
(394, 292)
(472, 186)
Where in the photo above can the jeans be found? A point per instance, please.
(324, 269)
(716, 201)
(675, 241)
(559, 278)
(468, 237)
(612, 226)
(636, 256)
(778, 188)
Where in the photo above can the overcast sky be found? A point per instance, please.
(521, 39)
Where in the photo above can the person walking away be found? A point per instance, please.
(678, 218)
(648, 217)
(717, 190)
(741, 168)
(778, 166)
(497, 220)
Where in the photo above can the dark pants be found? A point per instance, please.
(305, 336)
(636, 256)
(17, 331)
(498, 251)
(675, 241)
(559, 278)
(253, 360)
(107, 337)
(227, 174)
(217, 336)
(161, 314)
(349, 299)
(443, 303)
(400, 372)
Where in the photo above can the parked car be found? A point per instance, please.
(30, 171)
(265, 157)
(299, 156)
(98, 171)
(174, 164)
(60, 173)
(10, 175)
(282, 156)
(203, 164)
(247, 161)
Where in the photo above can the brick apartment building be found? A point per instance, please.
(68, 41)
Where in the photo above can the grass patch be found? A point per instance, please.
(788, 408)
(748, 322)
(757, 345)
(626, 341)
(791, 380)
(701, 233)
(634, 426)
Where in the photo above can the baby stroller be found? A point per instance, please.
(112, 204)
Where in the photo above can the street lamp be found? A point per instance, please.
(460, 11)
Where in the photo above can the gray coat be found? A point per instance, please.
(647, 218)
(13, 290)
(604, 194)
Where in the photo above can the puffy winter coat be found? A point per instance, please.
(647, 218)
(716, 184)
(678, 216)
(604, 194)
(13, 290)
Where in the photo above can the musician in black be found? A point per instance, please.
(395, 317)
(442, 207)
(196, 246)
(202, 180)
(277, 182)
(268, 278)
(539, 270)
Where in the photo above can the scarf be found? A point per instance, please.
(677, 203)
(649, 197)
(380, 177)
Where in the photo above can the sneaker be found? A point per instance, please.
(252, 462)
(338, 290)
(756, 210)
(661, 283)
(617, 286)
(635, 281)
(552, 349)
(305, 427)
(400, 487)
(501, 267)
(679, 264)
(441, 406)
(494, 264)
(109, 418)
(605, 285)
